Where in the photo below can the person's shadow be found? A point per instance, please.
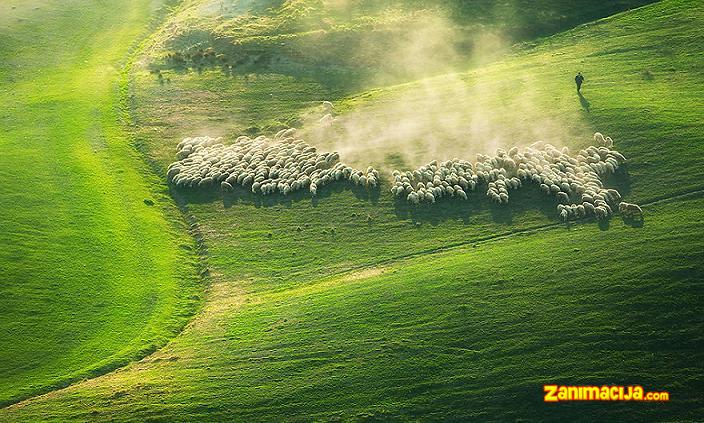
(583, 101)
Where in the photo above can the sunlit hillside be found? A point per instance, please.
(149, 278)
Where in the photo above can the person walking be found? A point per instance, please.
(579, 79)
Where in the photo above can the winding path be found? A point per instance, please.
(91, 269)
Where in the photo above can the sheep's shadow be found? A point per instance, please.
(342, 80)
(605, 224)
(619, 181)
(240, 195)
(435, 214)
(524, 200)
(633, 222)
(195, 195)
(445, 209)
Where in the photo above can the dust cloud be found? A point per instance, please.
(440, 117)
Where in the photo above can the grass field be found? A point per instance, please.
(353, 306)
(92, 276)
(471, 333)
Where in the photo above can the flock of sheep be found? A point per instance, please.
(286, 164)
(283, 164)
(576, 182)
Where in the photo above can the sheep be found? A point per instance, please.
(285, 133)
(613, 196)
(282, 164)
(630, 210)
(600, 213)
(599, 138)
(285, 164)
(173, 172)
(328, 107)
(326, 120)
(618, 156)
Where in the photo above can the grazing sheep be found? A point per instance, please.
(326, 120)
(601, 213)
(282, 164)
(328, 107)
(285, 164)
(599, 138)
(285, 133)
(630, 210)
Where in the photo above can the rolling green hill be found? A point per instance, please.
(91, 276)
(353, 306)
(471, 333)
(346, 44)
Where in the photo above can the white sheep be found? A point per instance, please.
(630, 210)
(328, 107)
(285, 164)
(326, 120)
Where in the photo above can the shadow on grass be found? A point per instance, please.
(529, 198)
(633, 222)
(620, 181)
(523, 200)
(584, 102)
(241, 195)
(337, 81)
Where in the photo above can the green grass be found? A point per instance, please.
(347, 45)
(646, 118)
(472, 333)
(456, 312)
(92, 276)
(642, 89)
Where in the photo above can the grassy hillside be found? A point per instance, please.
(642, 89)
(472, 334)
(653, 120)
(346, 45)
(460, 311)
(92, 274)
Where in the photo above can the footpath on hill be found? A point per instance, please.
(94, 276)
